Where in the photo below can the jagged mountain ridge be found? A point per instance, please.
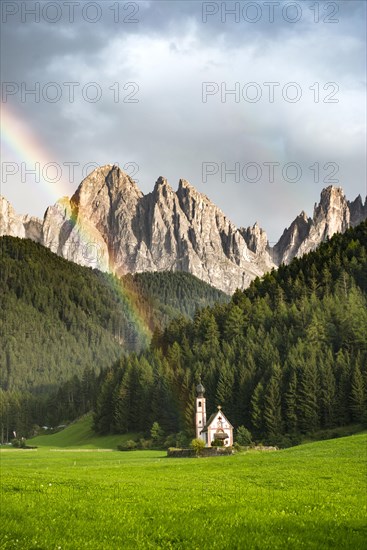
(333, 214)
(110, 224)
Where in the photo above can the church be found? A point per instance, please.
(217, 427)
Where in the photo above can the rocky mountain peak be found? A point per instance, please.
(11, 223)
(331, 197)
(358, 211)
(331, 215)
(195, 205)
(162, 187)
(331, 191)
(256, 238)
(106, 180)
(184, 184)
(303, 216)
(288, 245)
(109, 224)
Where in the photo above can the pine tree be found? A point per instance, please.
(234, 322)
(272, 404)
(357, 396)
(225, 387)
(257, 404)
(103, 416)
(291, 419)
(343, 389)
(327, 392)
(308, 396)
(121, 405)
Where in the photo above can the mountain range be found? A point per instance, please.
(111, 225)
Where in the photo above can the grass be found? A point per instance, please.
(81, 436)
(312, 496)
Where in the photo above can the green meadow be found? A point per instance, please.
(80, 435)
(57, 498)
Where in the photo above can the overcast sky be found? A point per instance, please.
(163, 71)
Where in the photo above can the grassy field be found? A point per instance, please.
(311, 496)
(81, 436)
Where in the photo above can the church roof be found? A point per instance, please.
(212, 418)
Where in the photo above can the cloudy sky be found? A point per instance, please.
(258, 104)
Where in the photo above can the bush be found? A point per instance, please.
(284, 442)
(129, 445)
(157, 434)
(243, 436)
(179, 440)
(170, 441)
(182, 440)
(198, 446)
(217, 443)
(19, 443)
(145, 443)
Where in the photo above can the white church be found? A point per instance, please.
(217, 427)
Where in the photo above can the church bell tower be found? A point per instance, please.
(200, 416)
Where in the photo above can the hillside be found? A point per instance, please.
(79, 435)
(170, 295)
(59, 319)
(287, 356)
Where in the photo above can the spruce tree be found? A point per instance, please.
(272, 404)
(257, 408)
(357, 396)
(291, 406)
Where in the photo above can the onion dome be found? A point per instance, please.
(200, 390)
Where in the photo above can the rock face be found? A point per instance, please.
(358, 211)
(333, 214)
(24, 227)
(291, 240)
(109, 224)
(257, 241)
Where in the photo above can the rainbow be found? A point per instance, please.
(18, 139)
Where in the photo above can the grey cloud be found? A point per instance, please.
(170, 131)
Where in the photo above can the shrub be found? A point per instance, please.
(182, 440)
(170, 441)
(129, 445)
(198, 446)
(19, 443)
(284, 441)
(145, 443)
(217, 443)
(157, 434)
(243, 436)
